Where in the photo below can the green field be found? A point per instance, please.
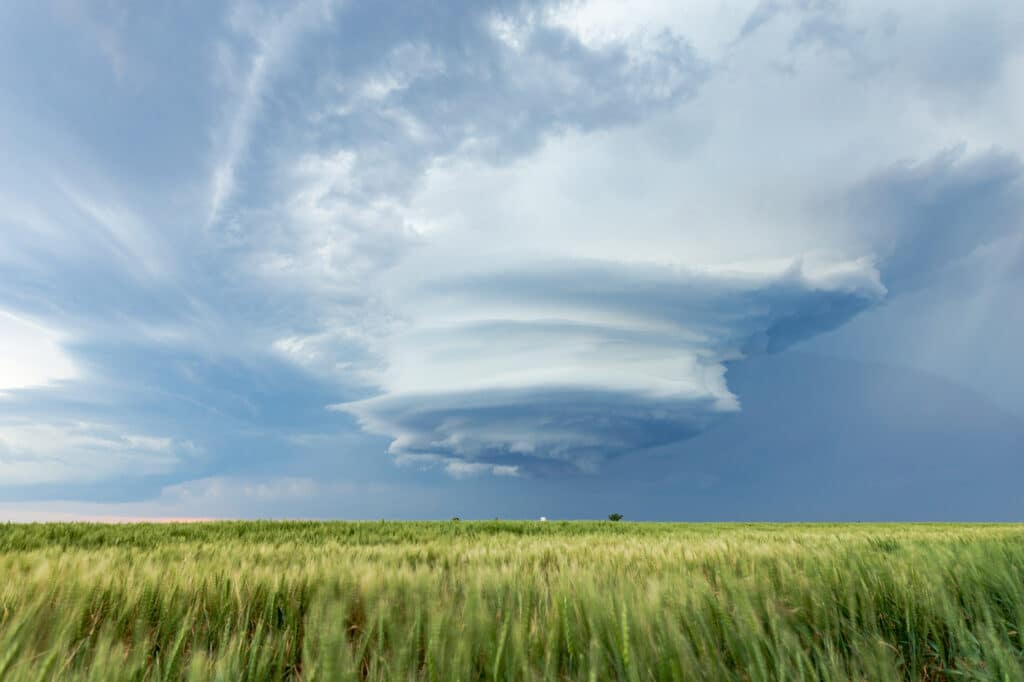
(511, 600)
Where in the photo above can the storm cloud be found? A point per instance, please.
(514, 243)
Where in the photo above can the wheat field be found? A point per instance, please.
(511, 600)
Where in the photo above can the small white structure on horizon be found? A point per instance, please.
(543, 518)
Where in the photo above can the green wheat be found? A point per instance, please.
(511, 601)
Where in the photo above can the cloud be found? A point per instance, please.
(274, 38)
(34, 452)
(462, 469)
(566, 363)
(563, 307)
(244, 496)
(402, 68)
(337, 212)
(530, 347)
(191, 500)
(105, 32)
(219, 488)
(30, 354)
(927, 216)
(492, 80)
(711, 26)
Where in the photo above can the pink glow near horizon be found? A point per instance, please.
(54, 517)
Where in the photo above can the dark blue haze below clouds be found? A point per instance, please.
(854, 442)
(511, 259)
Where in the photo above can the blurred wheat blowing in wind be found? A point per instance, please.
(511, 600)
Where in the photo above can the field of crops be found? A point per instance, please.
(511, 600)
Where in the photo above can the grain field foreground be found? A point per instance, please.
(511, 600)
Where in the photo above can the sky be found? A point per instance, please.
(704, 260)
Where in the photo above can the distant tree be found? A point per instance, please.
(615, 517)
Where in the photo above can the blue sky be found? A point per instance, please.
(753, 259)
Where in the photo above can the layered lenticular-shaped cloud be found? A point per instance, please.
(559, 364)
